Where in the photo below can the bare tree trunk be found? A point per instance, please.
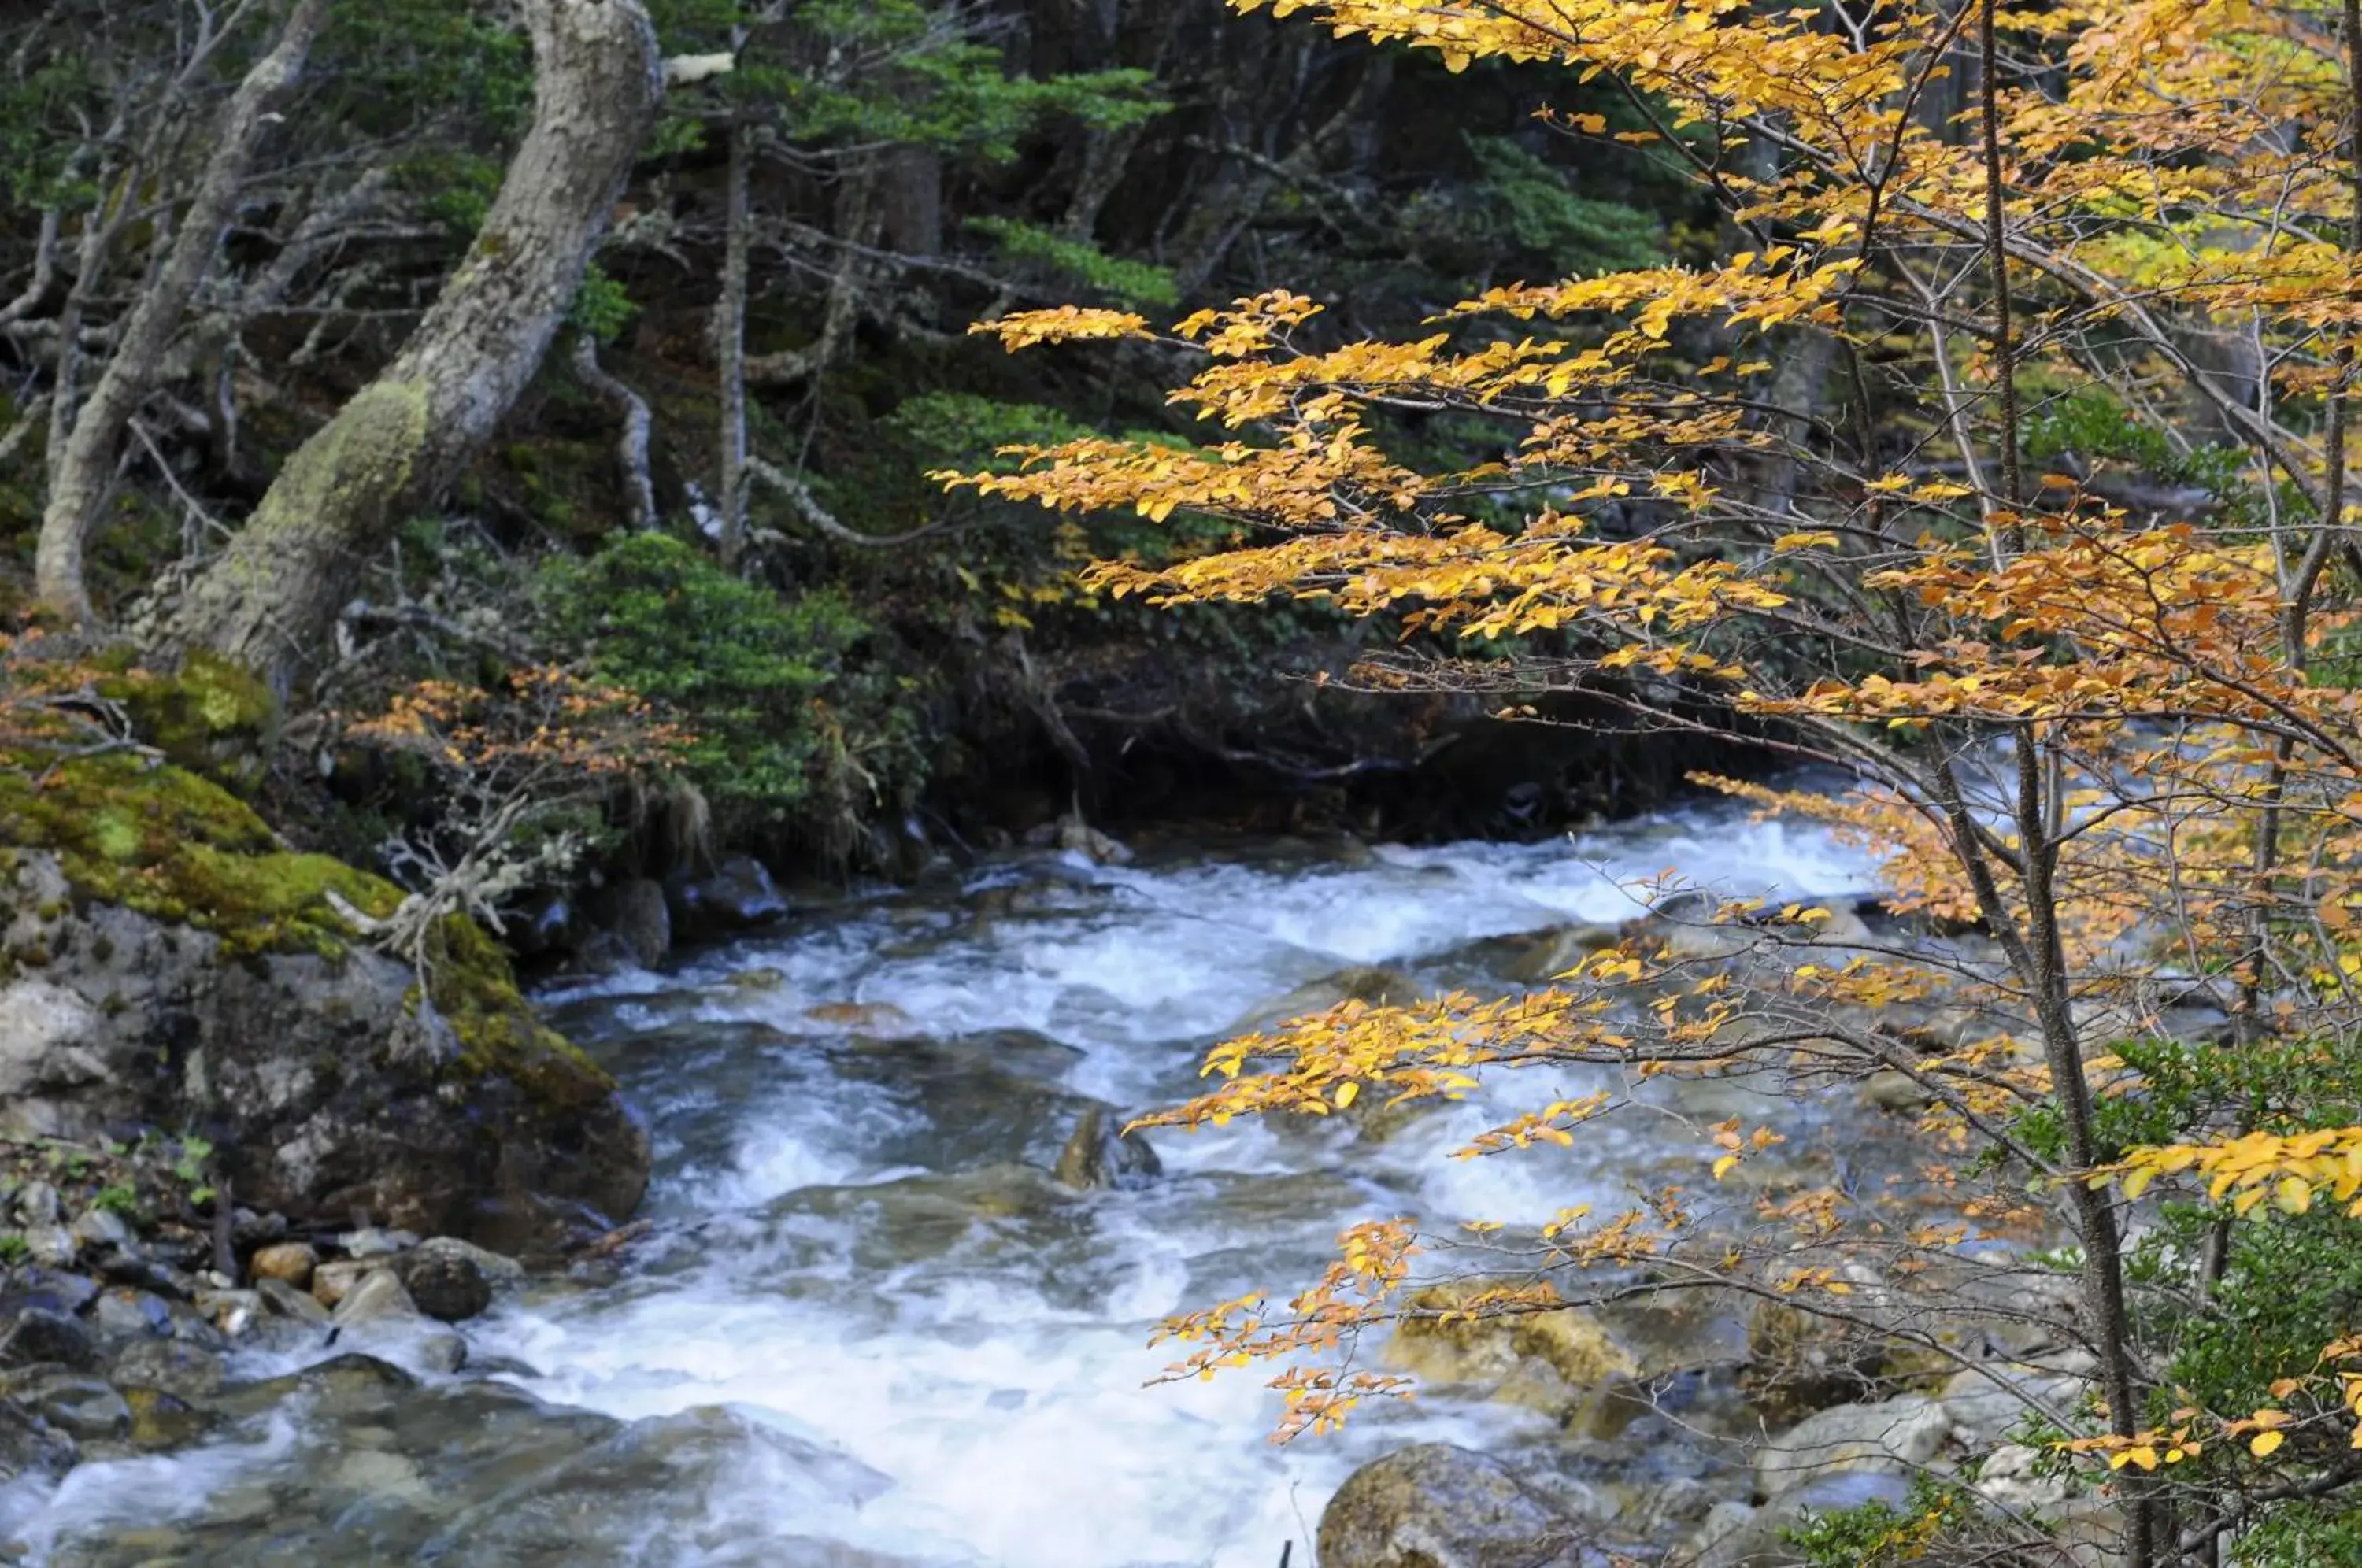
(729, 343)
(270, 598)
(633, 426)
(80, 474)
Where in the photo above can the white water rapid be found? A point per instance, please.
(846, 1248)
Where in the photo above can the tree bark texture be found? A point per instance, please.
(269, 599)
(80, 473)
(730, 342)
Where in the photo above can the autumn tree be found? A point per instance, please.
(2053, 555)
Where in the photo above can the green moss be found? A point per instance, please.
(475, 993)
(179, 847)
(212, 716)
(162, 841)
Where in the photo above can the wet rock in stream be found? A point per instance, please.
(385, 1469)
(1435, 1505)
(1102, 1153)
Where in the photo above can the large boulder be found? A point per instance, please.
(1435, 1505)
(169, 965)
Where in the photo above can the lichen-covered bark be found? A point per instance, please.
(269, 599)
(80, 474)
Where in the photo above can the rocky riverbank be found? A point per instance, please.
(166, 964)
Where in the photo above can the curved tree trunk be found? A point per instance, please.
(79, 475)
(269, 598)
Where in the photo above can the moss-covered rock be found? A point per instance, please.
(212, 717)
(165, 961)
(169, 844)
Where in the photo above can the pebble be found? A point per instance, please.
(40, 1335)
(36, 1204)
(103, 1229)
(375, 1243)
(330, 1281)
(291, 1261)
(287, 1301)
(52, 1246)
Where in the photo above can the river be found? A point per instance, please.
(883, 1329)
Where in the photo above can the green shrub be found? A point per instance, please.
(783, 729)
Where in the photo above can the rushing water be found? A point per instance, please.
(854, 1248)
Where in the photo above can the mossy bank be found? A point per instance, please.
(167, 964)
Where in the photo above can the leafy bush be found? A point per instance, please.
(779, 728)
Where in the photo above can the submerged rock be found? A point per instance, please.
(83, 1406)
(1799, 1361)
(738, 896)
(1549, 954)
(675, 1476)
(1374, 984)
(161, 1420)
(1436, 1505)
(1101, 1153)
(169, 1366)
